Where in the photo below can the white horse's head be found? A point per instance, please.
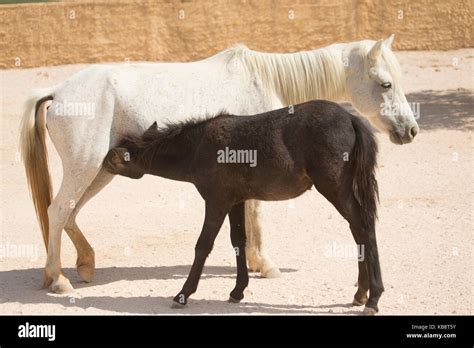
(374, 88)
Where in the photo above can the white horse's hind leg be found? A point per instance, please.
(85, 263)
(256, 256)
(85, 253)
(59, 211)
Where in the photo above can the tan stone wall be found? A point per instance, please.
(88, 31)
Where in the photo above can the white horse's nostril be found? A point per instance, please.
(413, 131)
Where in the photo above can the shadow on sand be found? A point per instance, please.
(23, 286)
(452, 109)
(449, 109)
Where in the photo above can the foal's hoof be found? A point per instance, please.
(177, 305)
(179, 301)
(233, 300)
(369, 311)
(236, 296)
(359, 302)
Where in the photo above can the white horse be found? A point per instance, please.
(92, 109)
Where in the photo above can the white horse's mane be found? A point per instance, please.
(296, 77)
(307, 75)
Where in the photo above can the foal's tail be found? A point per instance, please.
(364, 185)
(35, 157)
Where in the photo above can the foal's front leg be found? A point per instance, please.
(215, 215)
(237, 236)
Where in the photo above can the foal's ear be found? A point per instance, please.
(116, 160)
(152, 130)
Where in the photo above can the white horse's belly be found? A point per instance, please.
(127, 99)
(172, 95)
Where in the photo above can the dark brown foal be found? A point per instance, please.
(277, 155)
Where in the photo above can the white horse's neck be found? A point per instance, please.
(299, 77)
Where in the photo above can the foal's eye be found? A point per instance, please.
(386, 85)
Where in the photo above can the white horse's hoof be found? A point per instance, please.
(47, 281)
(369, 311)
(176, 305)
(86, 272)
(62, 286)
(253, 264)
(86, 267)
(271, 273)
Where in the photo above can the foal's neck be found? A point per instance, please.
(171, 158)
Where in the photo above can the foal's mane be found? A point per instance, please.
(171, 136)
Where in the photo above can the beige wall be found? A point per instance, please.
(44, 34)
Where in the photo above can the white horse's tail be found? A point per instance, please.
(35, 156)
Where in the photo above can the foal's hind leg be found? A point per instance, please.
(256, 255)
(370, 278)
(85, 254)
(237, 236)
(361, 296)
(371, 274)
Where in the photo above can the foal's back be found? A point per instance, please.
(291, 144)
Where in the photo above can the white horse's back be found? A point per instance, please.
(146, 92)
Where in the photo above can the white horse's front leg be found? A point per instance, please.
(256, 256)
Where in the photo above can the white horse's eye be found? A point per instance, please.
(386, 85)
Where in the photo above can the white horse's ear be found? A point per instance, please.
(375, 51)
(388, 41)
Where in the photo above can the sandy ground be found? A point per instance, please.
(144, 231)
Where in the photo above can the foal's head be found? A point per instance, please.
(374, 84)
(133, 156)
(119, 161)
